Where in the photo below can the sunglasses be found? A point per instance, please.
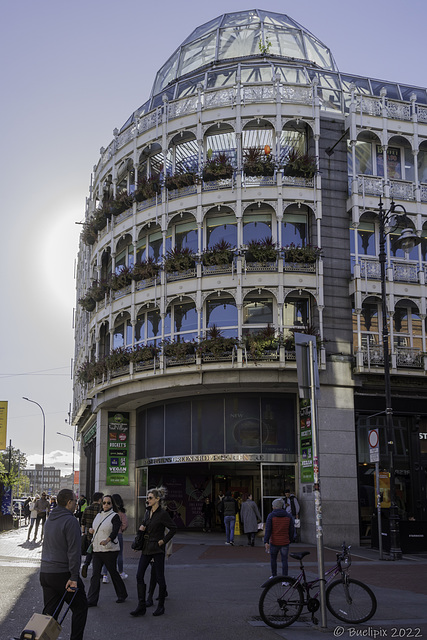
(150, 497)
(106, 503)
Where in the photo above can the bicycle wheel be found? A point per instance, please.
(350, 601)
(281, 602)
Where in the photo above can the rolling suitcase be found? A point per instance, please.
(41, 627)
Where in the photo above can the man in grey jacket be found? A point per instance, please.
(60, 564)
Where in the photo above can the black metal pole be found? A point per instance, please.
(395, 550)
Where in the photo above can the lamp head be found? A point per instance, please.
(407, 240)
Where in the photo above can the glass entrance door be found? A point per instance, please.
(141, 493)
(274, 479)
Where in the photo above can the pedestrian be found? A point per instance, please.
(52, 504)
(105, 529)
(229, 510)
(207, 511)
(279, 533)
(60, 564)
(42, 507)
(291, 505)
(26, 510)
(249, 517)
(87, 519)
(33, 514)
(155, 541)
(123, 526)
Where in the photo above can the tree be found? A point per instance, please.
(12, 464)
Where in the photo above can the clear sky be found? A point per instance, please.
(71, 72)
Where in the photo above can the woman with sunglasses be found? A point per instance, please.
(155, 540)
(105, 529)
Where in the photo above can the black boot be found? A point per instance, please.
(141, 608)
(152, 587)
(161, 606)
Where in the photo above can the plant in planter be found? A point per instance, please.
(145, 270)
(120, 203)
(90, 370)
(147, 187)
(143, 353)
(119, 357)
(178, 350)
(121, 279)
(179, 260)
(310, 330)
(98, 290)
(180, 179)
(215, 344)
(257, 163)
(261, 342)
(307, 254)
(218, 168)
(221, 253)
(261, 251)
(99, 219)
(300, 165)
(87, 302)
(89, 233)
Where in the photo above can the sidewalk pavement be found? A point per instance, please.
(214, 591)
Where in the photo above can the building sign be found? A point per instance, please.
(394, 170)
(118, 449)
(3, 424)
(306, 442)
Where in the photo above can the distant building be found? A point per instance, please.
(52, 479)
(66, 482)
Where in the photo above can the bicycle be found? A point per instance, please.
(349, 600)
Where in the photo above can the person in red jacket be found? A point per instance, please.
(279, 533)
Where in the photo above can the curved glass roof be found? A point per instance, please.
(243, 34)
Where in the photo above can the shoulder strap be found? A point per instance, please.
(99, 526)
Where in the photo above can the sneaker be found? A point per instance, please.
(232, 543)
(84, 571)
(228, 543)
(124, 575)
(105, 579)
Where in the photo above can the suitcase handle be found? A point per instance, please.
(58, 608)
(27, 635)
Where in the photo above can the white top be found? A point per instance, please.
(103, 520)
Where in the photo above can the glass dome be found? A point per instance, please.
(240, 35)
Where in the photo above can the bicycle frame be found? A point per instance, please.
(307, 586)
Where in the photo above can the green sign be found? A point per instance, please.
(306, 442)
(118, 449)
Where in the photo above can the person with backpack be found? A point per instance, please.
(279, 533)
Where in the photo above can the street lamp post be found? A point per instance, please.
(407, 240)
(44, 437)
(72, 440)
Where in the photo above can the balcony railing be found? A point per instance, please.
(402, 272)
(403, 357)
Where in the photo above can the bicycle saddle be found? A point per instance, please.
(299, 556)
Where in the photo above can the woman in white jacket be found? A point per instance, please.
(105, 529)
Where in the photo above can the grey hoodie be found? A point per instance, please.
(61, 544)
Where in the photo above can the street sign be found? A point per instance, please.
(374, 445)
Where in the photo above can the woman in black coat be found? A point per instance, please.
(155, 541)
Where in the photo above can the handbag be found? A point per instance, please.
(138, 543)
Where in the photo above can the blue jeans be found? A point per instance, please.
(274, 552)
(229, 522)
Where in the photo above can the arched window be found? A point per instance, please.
(220, 139)
(294, 137)
(183, 154)
(122, 335)
(257, 311)
(124, 253)
(182, 233)
(151, 161)
(295, 226)
(407, 325)
(221, 224)
(257, 134)
(221, 311)
(181, 322)
(150, 243)
(257, 223)
(296, 311)
(148, 328)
